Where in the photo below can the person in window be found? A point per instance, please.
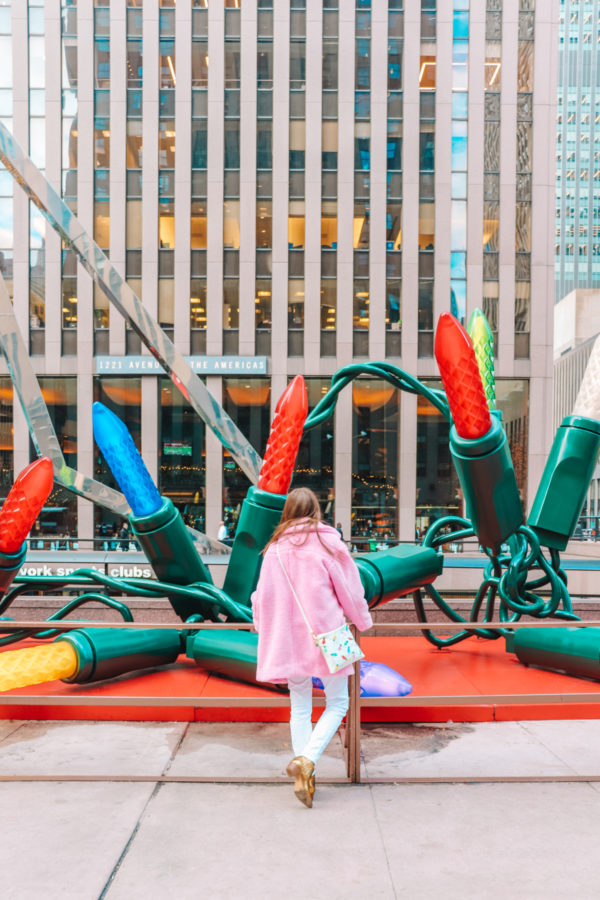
(325, 578)
(124, 536)
(223, 532)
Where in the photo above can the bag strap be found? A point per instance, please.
(296, 598)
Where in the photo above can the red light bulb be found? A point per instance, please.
(284, 439)
(461, 378)
(24, 503)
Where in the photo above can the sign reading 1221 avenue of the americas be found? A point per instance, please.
(208, 365)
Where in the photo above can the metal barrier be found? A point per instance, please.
(352, 727)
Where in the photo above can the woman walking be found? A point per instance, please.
(307, 558)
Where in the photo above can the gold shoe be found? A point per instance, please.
(302, 771)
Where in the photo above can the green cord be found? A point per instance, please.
(507, 580)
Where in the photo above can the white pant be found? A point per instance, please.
(305, 741)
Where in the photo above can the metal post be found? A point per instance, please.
(353, 722)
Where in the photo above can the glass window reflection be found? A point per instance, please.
(438, 488)
(459, 146)
(181, 454)
(315, 460)
(123, 396)
(6, 437)
(375, 433)
(248, 402)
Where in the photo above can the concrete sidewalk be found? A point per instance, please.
(118, 839)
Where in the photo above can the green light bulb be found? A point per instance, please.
(483, 343)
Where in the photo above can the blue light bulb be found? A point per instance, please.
(125, 462)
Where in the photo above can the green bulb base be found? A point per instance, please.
(489, 485)
(575, 651)
(387, 574)
(171, 552)
(565, 481)
(10, 563)
(229, 653)
(259, 517)
(107, 652)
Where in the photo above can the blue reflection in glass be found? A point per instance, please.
(103, 60)
(458, 265)
(393, 303)
(458, 299)
(362, 153)
(459, 104)
(394, 154)
(134, 102)
(362, 104)
(460, 52)
(459, 145)
(101, 184)
(363, 70)
(460, 27)
(426, 151)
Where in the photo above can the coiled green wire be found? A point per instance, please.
(507, 580)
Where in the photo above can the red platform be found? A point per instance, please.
(474, 668)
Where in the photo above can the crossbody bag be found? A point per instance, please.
(337, 646)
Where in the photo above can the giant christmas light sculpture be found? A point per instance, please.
(155, 521)
(483, 344)
(261, 510)
(19, 511)
(478, 443)
(513, 579)
(571, 463)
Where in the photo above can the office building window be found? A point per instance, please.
(248, 402)
(524, 152)
(458, 209)
(181, 454)
(314, 467)
(123, 396)
(375, 436)
(6, 437)
(438, 488)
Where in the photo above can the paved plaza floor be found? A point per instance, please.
(78, 825)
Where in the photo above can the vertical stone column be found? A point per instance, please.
(377, 247)
(248, 179)
(118, 175)
(183, 168)
(214, 466)
(312, 186)
(215, 159)
(281, 143)
(150, 162)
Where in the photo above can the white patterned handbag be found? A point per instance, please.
(338, 647)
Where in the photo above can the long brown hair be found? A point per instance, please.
(301, 506)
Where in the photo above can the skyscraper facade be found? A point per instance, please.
(578, 149)
(289, 188)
